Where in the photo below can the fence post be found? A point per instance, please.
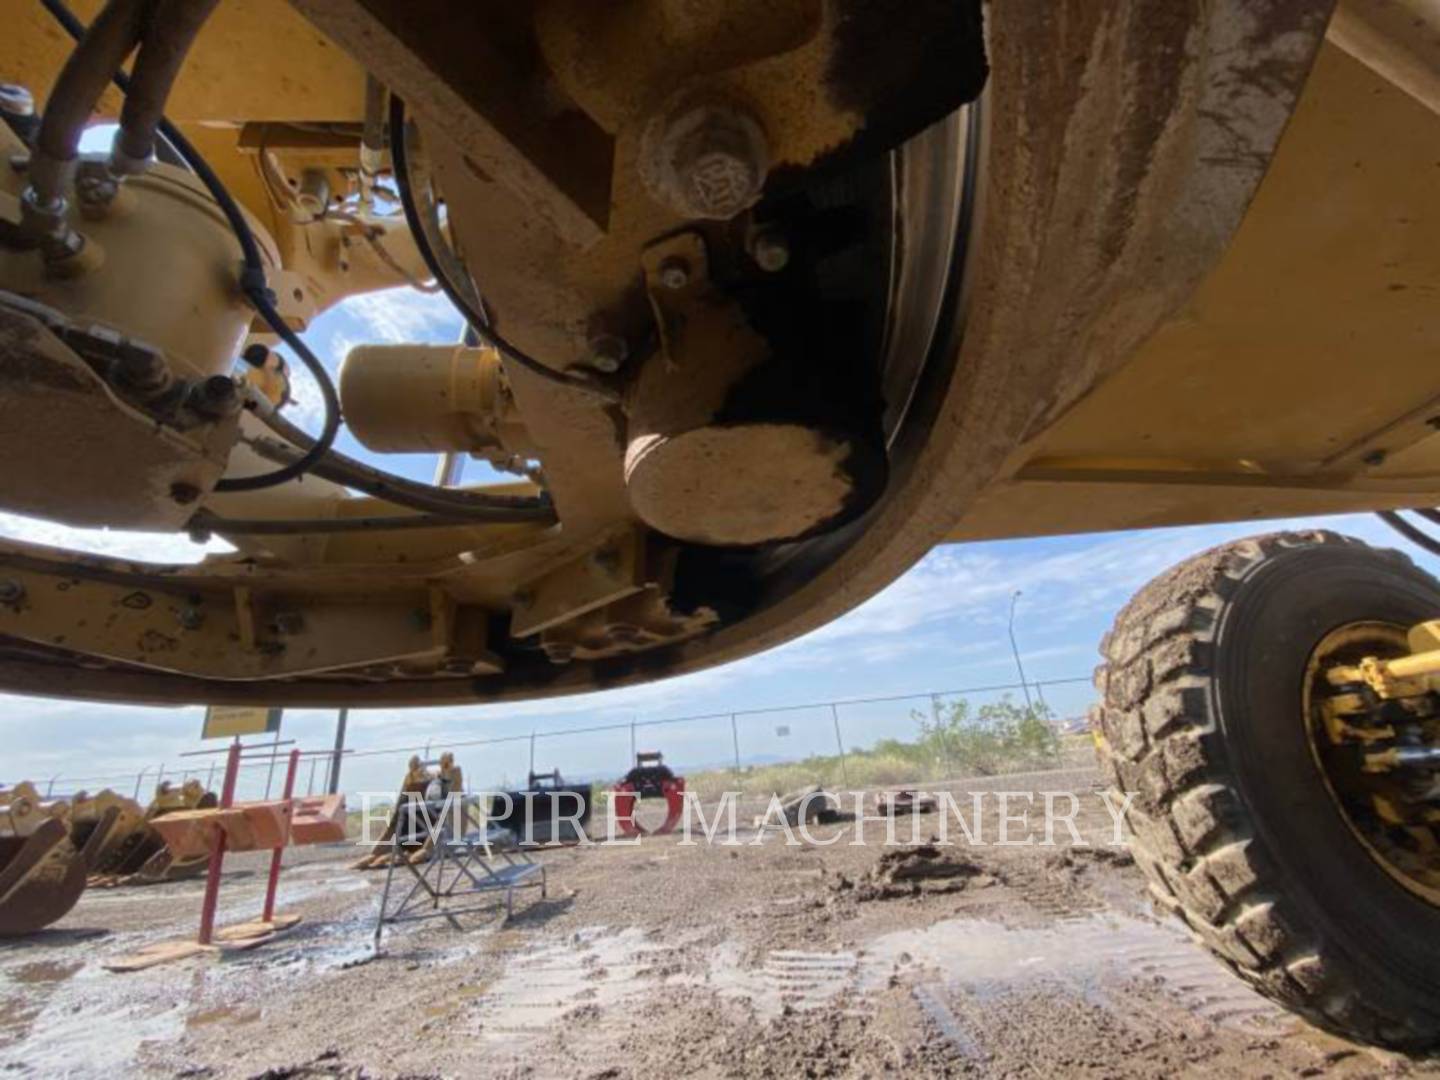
(333, 783)
(274, 753)
(528, 781)
(50, 787)
(139, 778)
(735, 737)
(310, 784)
(840, 743)
(943, 735)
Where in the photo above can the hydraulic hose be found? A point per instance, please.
(206, 522)
(167, 40)
(1416, 536)
(252, 284)
(102, 49)
(340, 469)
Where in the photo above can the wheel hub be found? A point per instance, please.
(1377, 745)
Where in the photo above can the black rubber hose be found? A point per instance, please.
(206, 522)
(163, 49)
(252, 284)
(339, 469)
(1410, 532)
(474, 317)
(100, 51)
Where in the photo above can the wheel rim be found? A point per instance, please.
(1393, 814)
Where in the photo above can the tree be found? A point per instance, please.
(998, 735)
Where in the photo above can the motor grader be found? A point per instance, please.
(762, 301)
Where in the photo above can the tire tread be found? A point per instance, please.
(1157, 738)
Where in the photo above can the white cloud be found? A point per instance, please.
(400, 316)
(157, 547)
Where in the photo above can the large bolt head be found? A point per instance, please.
(607, 352)
(706, 161)
(770, 249)
(142, 372)
(217, 396)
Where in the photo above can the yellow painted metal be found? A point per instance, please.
(255, 60)
(414, 398)
(227, 721)
(1260, 399)
(1400, 676)
(1399, 39)
(162, 248)
(1243, 405)
(1376, 800)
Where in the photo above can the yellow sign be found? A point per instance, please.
(223, 721)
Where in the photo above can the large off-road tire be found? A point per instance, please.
(1201, 717)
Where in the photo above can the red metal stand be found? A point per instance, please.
(217, 850)
(280, 849)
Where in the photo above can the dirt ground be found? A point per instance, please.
(669, 958)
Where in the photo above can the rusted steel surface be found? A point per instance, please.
(41, 878)
(318, 819)
(246, 826)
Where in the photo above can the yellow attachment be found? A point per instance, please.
(270, 378)
(169, 797)
(421, 398)
(1335, 710)
(1401, 677)
(23, 810)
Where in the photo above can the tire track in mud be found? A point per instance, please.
(803, 980)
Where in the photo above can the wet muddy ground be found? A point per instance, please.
(669, 958)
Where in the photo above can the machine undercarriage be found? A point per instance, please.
(761, 302)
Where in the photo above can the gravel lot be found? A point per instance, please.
(669, 958)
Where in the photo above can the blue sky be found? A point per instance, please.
(940, 627)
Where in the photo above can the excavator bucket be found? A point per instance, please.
(134, 852)
(108, 826)
(413, 786)
(42, 873)
(160, 863)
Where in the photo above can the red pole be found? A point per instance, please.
(217, 848)
(279, 851)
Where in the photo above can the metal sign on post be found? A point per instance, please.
(228, 721)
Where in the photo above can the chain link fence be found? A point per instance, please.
(858, 742)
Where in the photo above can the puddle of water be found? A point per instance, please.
(68, 1039)
(1086, 956)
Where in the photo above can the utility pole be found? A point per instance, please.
(340, 720)
(1024, 686)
